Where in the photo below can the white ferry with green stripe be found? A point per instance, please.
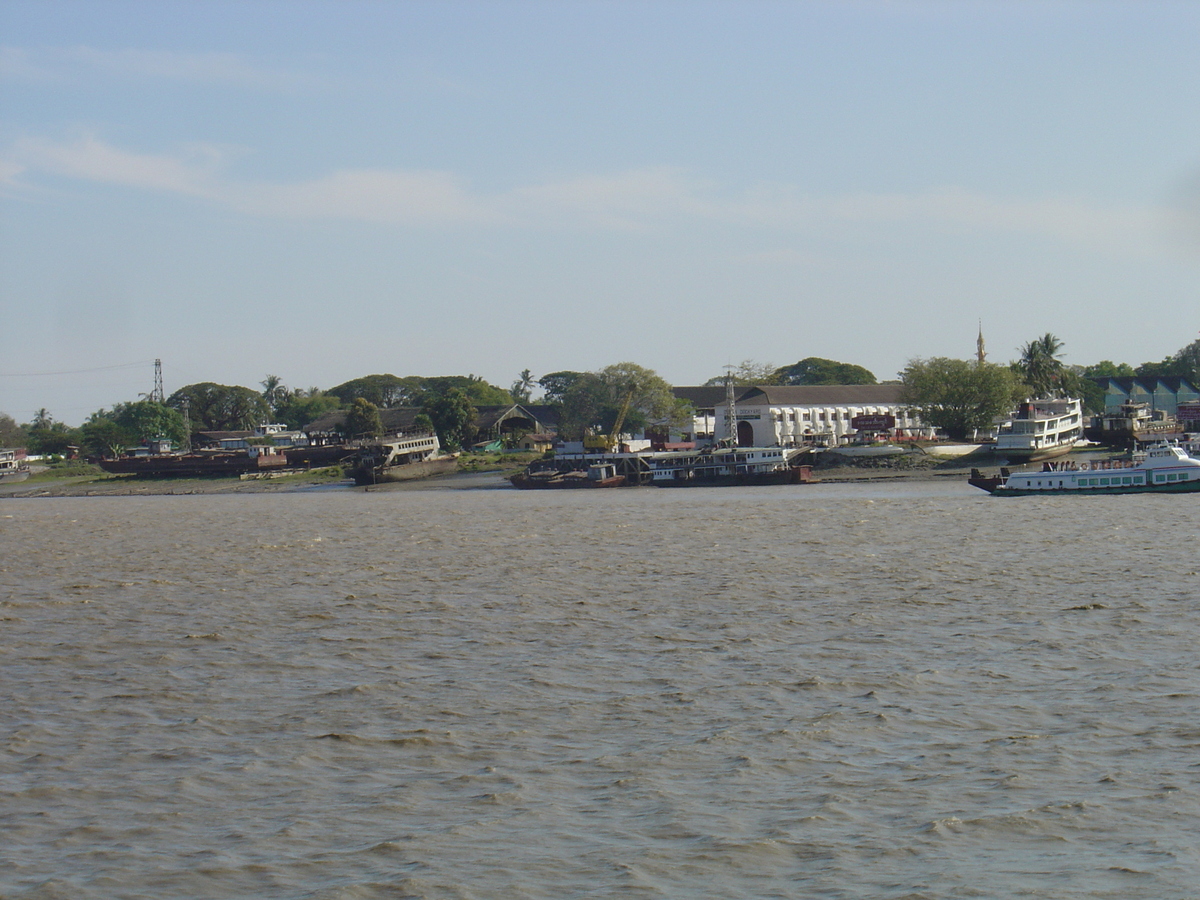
(1166, 469)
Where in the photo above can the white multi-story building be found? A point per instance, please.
(789, 415)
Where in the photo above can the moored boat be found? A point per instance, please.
(1040, 429)
(597, 476)
(13, 466)
(729, 466)
(1165, 469)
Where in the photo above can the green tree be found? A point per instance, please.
(555, 385)
(815, 370)
(478, 391)
(147, 420)
(453, 418)
(595, 400)
(362, 419)
(1040, 368)
(382, 391)
(219, 407)
(958, 396)
(46, 437)
(1107, 368)
(12, 435)
(274, 391)
(301, 407)
(102, 436)
(1184, 363)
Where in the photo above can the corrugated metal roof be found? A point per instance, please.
(822, 395)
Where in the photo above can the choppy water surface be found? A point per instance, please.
(819, 691)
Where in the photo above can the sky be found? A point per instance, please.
(326, 190)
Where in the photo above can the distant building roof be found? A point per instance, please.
(1148, 383)
(703, 397)
(821, 394)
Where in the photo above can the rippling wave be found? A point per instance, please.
(843, 691)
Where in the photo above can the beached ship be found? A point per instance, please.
(1131, 423)
(602, 475)
(401, 457)
(13, 466)
(1040, 429)
(1164, 469)
(196, 463)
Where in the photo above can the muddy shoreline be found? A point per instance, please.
(133, 486)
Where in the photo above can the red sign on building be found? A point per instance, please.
(873, 423)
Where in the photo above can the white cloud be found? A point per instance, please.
(90, 159)
(643, 199)
(398, 197)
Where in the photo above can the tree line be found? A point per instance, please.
(958, 396)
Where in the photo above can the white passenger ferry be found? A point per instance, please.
(1166, 469)
(1040, 429)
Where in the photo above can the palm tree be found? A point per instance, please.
(1040, 366)
(523, 387)
(274, 391)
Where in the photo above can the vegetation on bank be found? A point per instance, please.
(955, 395)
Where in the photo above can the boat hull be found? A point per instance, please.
(563, 481)
(1185, 487)
(1041, 454)
(193, 465)
(426, 468)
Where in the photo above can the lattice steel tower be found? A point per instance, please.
(157, 396)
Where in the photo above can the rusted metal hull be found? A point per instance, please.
(194, 465)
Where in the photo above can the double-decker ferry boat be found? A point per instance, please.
(1165, 469)
(13, 466)
(1040, 429)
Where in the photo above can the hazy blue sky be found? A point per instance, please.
(323, 190)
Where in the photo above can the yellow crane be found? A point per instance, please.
(608, 442)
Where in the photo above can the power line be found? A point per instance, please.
(136, 365)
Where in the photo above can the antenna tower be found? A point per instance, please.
(157, 396)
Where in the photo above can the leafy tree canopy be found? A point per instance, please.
(301, 407)
(1184, 362)
(594, 401)
(1107, 368)
(554, 386)
(46, 437)
(453, 418)
(362, 419)
(148, 420)
(102, 436)
(958, 396)
(815, 370)
(11, 434)
(478, 391)
(390, 391)
(219, 407)
(382, 391)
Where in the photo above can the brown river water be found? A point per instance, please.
(901, 690)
